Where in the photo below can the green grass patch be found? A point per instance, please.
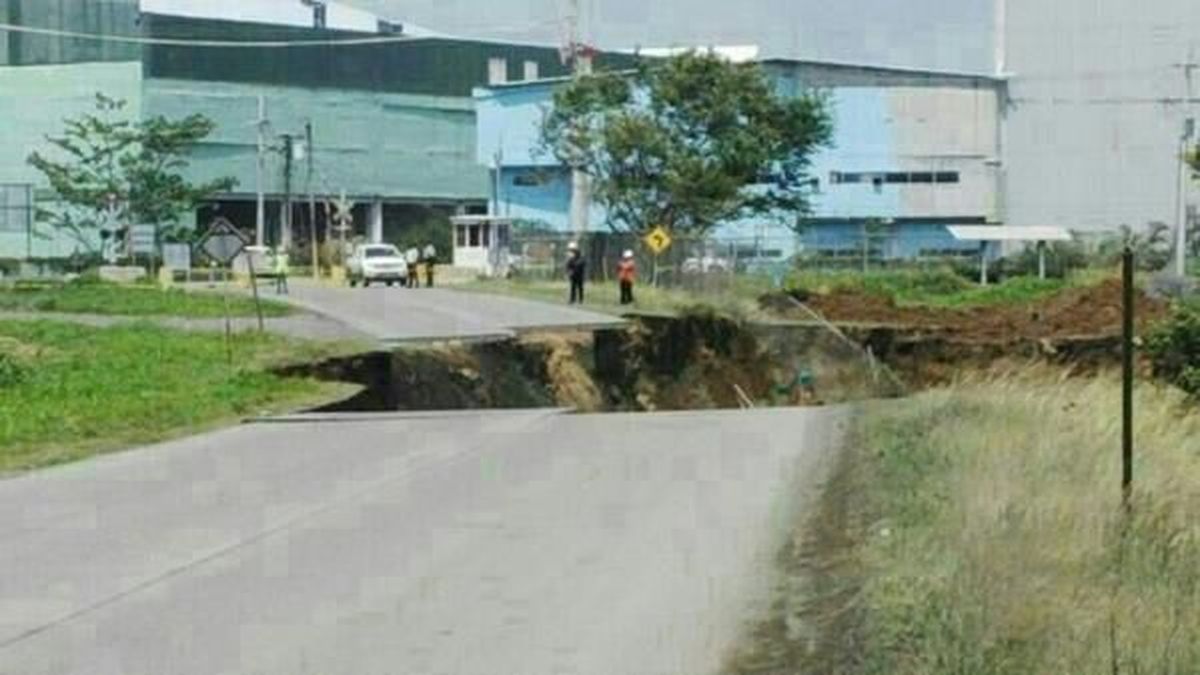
(136, 300)
(929, 288)
(999, 543)
(735, 296)
(68, 391)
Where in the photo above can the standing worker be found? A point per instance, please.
(280, 271)
(430, 257)
(576, 272)
(412, 257)
(626, 275)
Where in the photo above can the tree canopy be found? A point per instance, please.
(134, 165)
(688, 143)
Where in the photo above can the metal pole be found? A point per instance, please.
(1127, 379)
(260, 212)
(312, 201)
(1181, 211)
(866, 249)
(285, 222)
(983, 264)
(1041, 248)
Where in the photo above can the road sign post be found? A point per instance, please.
(223, 243)
(657, 240)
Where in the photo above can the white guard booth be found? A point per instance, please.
(984, 234)
(482, 244)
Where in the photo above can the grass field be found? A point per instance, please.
(1003, 546)
(140, 300)
(980, 529)
(739, 298)
(67, 391)
(934, 288)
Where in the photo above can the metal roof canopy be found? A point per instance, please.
(1006, 233)
(988, 233)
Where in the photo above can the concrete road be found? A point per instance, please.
(457, 543)
(399, 315)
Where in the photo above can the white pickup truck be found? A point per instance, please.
(376, 263)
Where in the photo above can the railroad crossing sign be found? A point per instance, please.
(222, 242)
(343, 215)
(658, 240)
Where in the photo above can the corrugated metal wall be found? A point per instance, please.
(370, 144)
(113, 17)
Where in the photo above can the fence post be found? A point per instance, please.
(1127, 378)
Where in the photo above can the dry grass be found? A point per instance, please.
(1003, 546)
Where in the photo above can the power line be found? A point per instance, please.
(214, 44)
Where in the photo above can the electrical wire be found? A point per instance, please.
(214, 44)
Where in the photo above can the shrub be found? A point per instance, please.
(12, 371)
(1174, 348)
(1061, 258)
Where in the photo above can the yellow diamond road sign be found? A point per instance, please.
(658, 240)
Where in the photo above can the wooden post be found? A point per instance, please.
(254, 287)
(1127, 378)
(983, 263)
(1041, 249)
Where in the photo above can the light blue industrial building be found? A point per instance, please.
(913, 151)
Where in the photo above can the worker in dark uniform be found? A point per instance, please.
(429, 256)
(576, 272)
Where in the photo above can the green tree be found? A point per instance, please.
(110, 161)
(688, 143)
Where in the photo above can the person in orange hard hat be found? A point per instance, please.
(626, 276)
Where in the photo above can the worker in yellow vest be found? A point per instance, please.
(280, 271)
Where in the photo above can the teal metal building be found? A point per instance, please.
(393, 123)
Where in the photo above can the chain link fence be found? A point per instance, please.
(696, 263)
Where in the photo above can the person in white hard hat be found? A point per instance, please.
(576, 272)
(626, 275)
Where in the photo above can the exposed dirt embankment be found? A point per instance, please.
(1079, 328)
(699, 361)
(1088, 312)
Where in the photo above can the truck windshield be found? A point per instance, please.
(385, 252)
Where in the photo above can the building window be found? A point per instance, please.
(486, 237)
(531, 179)
(474, 241)
(462, 236)
(893, 177)
(532, 72)
(497, 71)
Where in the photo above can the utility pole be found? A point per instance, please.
(312, 200)
(498, 161)
(285, 220)
(260, 211)
(581, 186)
(1189, 127)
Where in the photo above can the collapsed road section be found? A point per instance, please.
(698, 361)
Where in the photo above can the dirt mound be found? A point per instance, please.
(1093, 311)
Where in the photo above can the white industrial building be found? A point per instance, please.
(1099, 91)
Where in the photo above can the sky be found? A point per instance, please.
(940, 34)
